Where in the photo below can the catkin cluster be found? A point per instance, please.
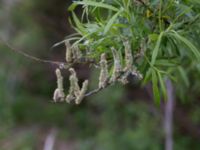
(119, 73)
(75, 92)
(129, 68)
(72, 53)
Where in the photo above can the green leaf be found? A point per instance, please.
(156, 92)
(110, 22)
(72, 6)
(147, 76)
(193, 49)
(162, 86)
(97, 4)
(79, 25)
(63, 41)
(156, 49)
(184, 76)
(167, 63)
(153, 37)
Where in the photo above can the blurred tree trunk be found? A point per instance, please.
(168, 116)
(6, 22)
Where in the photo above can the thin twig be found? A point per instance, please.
(61, 65)
(30, 56)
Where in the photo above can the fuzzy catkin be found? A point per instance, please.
(56, 95)
(74, 87)
(117, 65)
(128, 56)
(137, 74)
(68, 55)
(69, 98)
(59, 92)
(84, 88)
(59, 79)
(104, 75)
(76, 53)
(124, 78)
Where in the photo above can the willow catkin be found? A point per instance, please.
(124, 78)
(74, 87)
(59, 79)
(128, 56)
(59, 92)
(83, 91)
(69, 98)
(117, 65)
(56, 95)
(76, 53)
(137, 74)
(104, 75)
(68, 52)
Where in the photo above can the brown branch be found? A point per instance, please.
(30, 56)
(61, 65)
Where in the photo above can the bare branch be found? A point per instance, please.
(61, 65)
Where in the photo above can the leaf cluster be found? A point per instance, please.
(163, 36)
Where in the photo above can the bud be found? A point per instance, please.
(68, 52)
(104, 75)
(84, 88)
(117, 65)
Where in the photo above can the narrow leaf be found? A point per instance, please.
(72, 7)
(79, 25)
(156, 92)
(96, 4)
(110, 22)
(183, 76)
(156, 49)
(193, 49)
(147, 76)
(162, 86)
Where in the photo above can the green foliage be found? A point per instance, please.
(108, 120)
(160, 32)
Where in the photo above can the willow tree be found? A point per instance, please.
(144, 40)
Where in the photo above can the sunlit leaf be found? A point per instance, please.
(156, 92)
(110, 22)
(156, 49)
(97, 4)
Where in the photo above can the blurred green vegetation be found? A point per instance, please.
(109, 120)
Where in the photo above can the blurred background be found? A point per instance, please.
(117, 118)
